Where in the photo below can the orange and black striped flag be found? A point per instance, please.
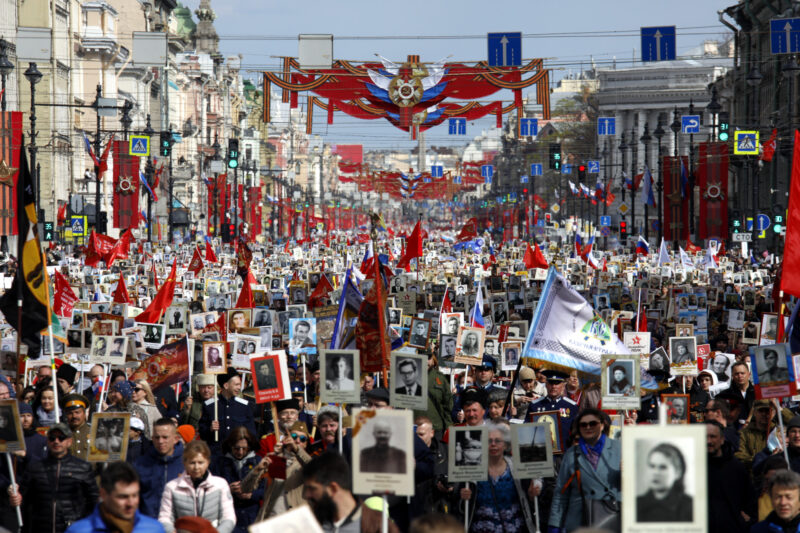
(31, 282)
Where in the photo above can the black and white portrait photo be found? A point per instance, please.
(117, 349)
(11, 436)
(772, 368)
(265, 376)
(447, 350)
(450, 323)
(339, 372)
(153, 335)
(667, 480)
(108, 437)
(383, 452)
(620, 381)
(468, 460)
(659, 360)
(470, 345)
(176, 317)
(408, 381)
(491, 347)
(298, 295)
(511, 351)
(214, 358)
(769, 328)
(395, 314)
(265, 338)
(302, 335)
(262, 317)
(420, 330)
(683, 355)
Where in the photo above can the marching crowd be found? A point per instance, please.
(202, 455)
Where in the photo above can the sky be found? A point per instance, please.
(568, 34)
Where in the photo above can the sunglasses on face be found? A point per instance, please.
(59, 438)
(589, 424)
(138, 389)
(301, 438)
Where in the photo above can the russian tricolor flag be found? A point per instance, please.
(476, 316)
(642, 246)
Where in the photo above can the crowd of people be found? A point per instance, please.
(203, 453)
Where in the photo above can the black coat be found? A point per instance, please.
(62, 488)
(729, 492)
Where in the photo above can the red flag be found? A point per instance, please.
(321, 291)
(768, 151)
(98, 248)
(155, 276)
(62, 214)
(447, 305)
(121, 295)
(246, 295)
(168, 366)
(605, 266)
(163, 299)
(286, 247)
(642, 326)
(790, 275)
(104, 158)
(413, 247)
(691, 248)
(196, 264)
(64, 298)
(534, 258)
(219, 326)
(120, 249)
(469, 231)
(211, 257)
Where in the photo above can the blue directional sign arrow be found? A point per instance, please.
(762, 221)
(658, 43)
(690, 124)
(784, 36)
(605, 220)
(437, 171)
(536, 169)
(487, 171)
(606, 126)
(566, 169)
(593, 167)
(528, 127)
(505, 49)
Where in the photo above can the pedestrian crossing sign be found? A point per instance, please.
(745, 143)
(139, 145)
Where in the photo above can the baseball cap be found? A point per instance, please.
(62, 427)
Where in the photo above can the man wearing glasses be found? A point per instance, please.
(57, 491)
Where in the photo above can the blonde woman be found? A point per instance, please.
(143, 397)
(196, 492)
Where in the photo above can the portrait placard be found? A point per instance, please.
(298, 520)
(214, 358)
(450, 322)
(153, 335)
(420, 331)
(302, 336)
(109, 437)
(638, 342)
(176, 318)
(270, 382)
(408, 381)
(620, 381)
(239, 319)
(532, 450)
(117, 349)
(509, 352)
(469, 348)
(12, 439)
(678, 411)
(340, 375)
(383, 452)
(773, 372)
(666, 485)
(683, 356)
(100, 346)
(769, 329)
(468, 458)
(553, 421)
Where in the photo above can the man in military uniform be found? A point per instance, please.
(232, 411)
(556, 401)
(74, 408)
(193, 410)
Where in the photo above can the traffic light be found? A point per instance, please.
(165, 146)
(102, 222)
(737, 225)
(227, 234)
(48, 233)
(555, 156)
(724, 126)
(525, 191)
(623, 229)
(547, 217)
(233, 153)
(778, 226)
(582, 172)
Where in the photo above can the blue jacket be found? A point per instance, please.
(768, 525)
(566, 509)
(94, 524)
(246, 510)
(155, 471)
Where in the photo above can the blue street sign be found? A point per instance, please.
(505, 49)
(523, 179)
(748, 224)
(784, 36)
(593, 167)
(606, 125)
(540, 223)
(457, 126)
(139, 145)
(487, 180)
(437, 171)
(605, 220)
(457, 180)
(426, 180)
(528, 127)
(658, 43)
(763, 221)
(690, 124)
(566, 169)
(536, 169)
(78, 226)
(487, 171)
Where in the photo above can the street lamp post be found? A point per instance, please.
(633, 179)
(149, 172)
(754, 79)
(97, 167)
(6, 67)
(34, 76)
(691, 177)
(659, 134)
(645, 140)
(676, 210)
(216, 147)
(622, 148)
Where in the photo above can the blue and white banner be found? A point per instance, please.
(567, 332)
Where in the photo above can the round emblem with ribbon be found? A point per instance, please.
(125, 185)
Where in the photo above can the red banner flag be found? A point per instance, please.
(211, 257)
(10, 141)
(63, 298)
(790, 275)
(469, 231)
(126, 186)
(120, 249)
(413, 247)
(246, 295)
(534, 258)
(163, 299)
(196, 264)
(121, 295)
(98, 248)
(321, 291)
(168, 366)
(768, 151)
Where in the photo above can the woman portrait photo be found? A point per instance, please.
(620, 380)
(339, 374)
(661, 491)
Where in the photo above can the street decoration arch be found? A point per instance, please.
(413, 96)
